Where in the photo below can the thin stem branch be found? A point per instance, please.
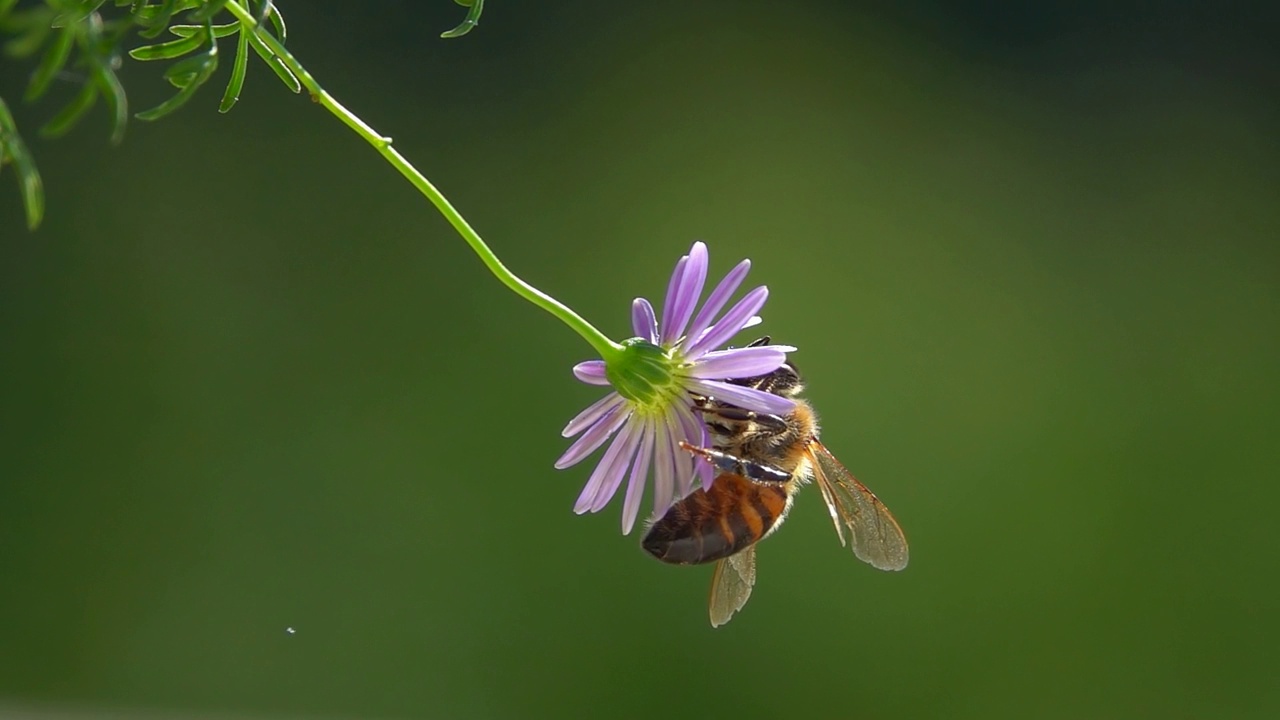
(607, 349)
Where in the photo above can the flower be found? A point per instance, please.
(651, 410)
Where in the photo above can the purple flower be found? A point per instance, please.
(650, 411)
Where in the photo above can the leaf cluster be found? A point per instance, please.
(65, 34)
(197, 45)
(80, 41)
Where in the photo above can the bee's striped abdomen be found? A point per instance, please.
(708, 526)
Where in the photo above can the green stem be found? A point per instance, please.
(607, 349)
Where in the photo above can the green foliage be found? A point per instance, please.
(274, 62)
(472, 19)
(198, 37)
(187, 75)
(14, 151)
(241, 65)
(82, 40)
(75, 34)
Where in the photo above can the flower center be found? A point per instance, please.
(645, 374)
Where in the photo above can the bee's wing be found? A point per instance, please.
(731, 585)
(874, 534)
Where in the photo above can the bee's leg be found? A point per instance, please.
(749, 469)
(769, 424)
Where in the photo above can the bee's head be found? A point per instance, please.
(784, 381)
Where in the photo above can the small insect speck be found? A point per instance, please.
(290, 630)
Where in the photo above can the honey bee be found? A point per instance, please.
(763, 460)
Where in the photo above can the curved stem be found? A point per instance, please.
(607, 349)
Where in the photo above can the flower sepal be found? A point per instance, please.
(643, 373)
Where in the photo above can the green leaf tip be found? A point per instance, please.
(66, 118)
(238, 69)
(169, 50)
(14, 151)
(275, 63)
(186, 75)
(474, 8)
(55, 58)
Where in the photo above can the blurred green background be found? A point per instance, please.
(250, 380)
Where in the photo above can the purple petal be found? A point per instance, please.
(635, 486)
(643, 321)
(682, 460)
(731, 324)
(676, 314)
(743, 397)
(740, 362)
(594, 437)
(610, 469)
(673, 292)
(695, 432)
(753, 321)
(705, 471)
(593, 413)
(718, 298)
(591, 372)
(681, 428)
(630, 439)
(664, 458)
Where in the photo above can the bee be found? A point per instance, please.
(763, 461)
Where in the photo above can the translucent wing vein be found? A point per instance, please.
(731, 585)
(860, 518)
